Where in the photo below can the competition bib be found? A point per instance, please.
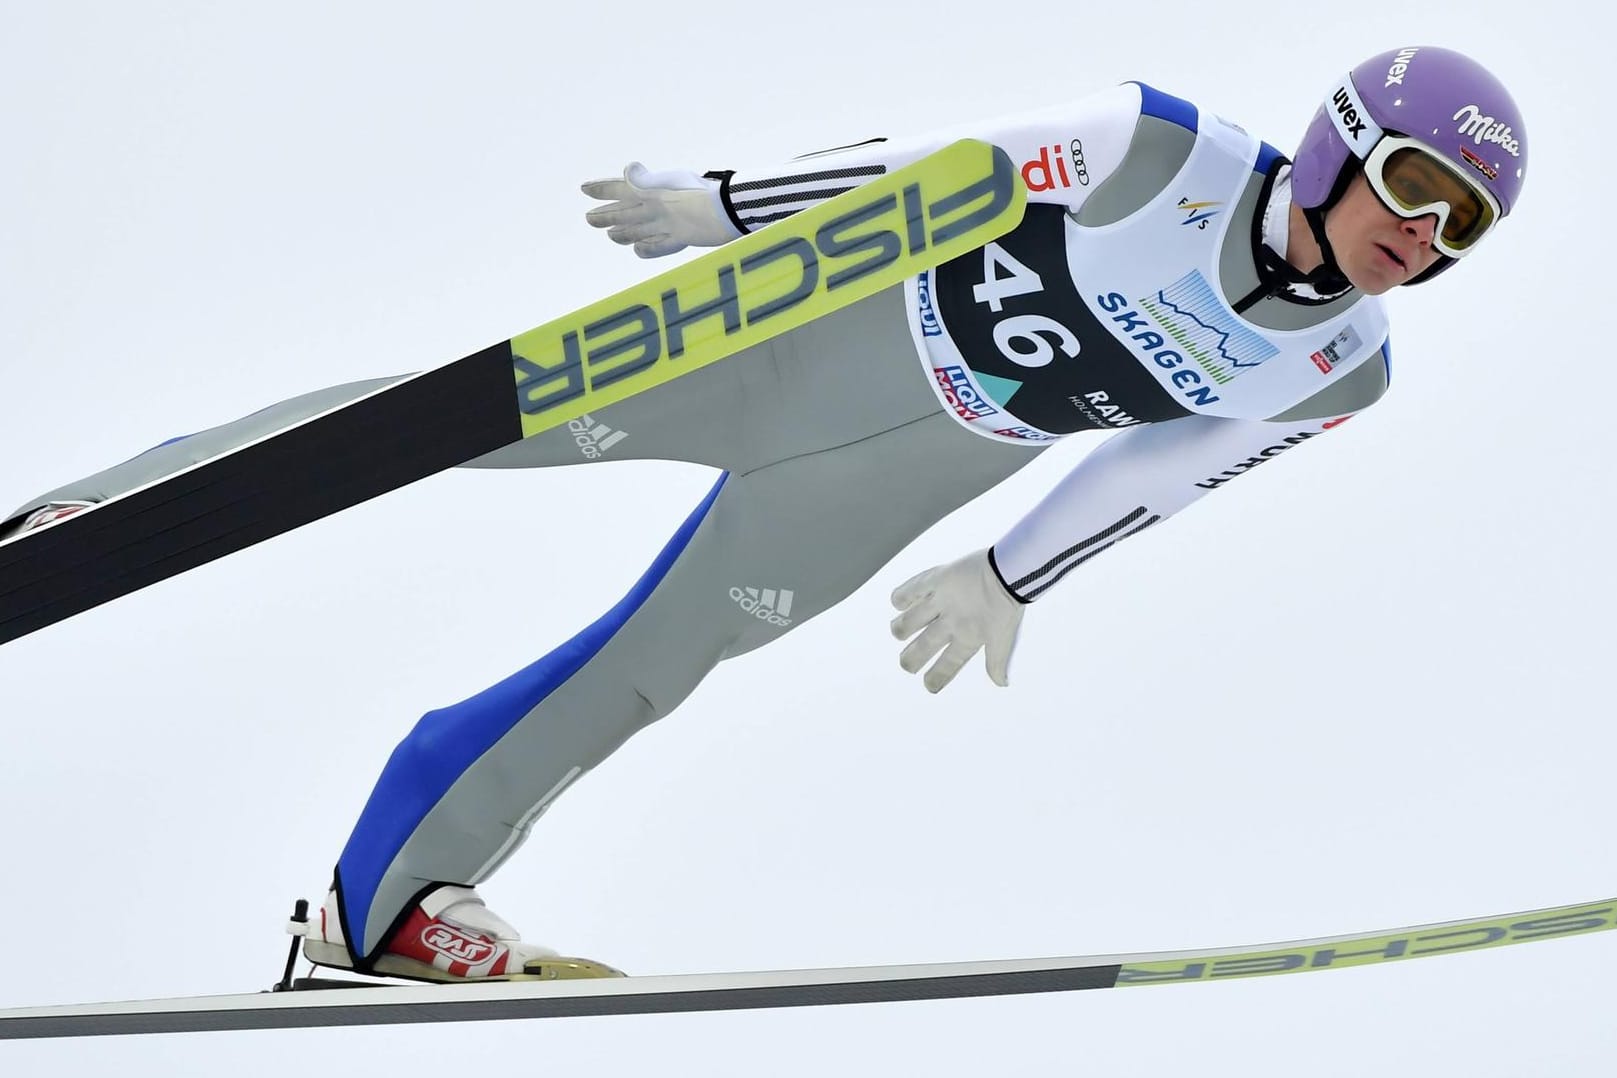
(1057, 327)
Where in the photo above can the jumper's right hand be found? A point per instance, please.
(953, 612)
(660, 212)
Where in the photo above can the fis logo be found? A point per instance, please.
(1049, 170)
(929, 314)
(962, 394)
(789, 272)
(593, 438)
(457, 946)
(765, 604)
(1198, 213)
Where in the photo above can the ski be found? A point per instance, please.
(798, 269)
(323, 1002)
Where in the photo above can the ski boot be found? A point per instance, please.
(450, 936)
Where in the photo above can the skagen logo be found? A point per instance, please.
(452, 944)
(593, 439)
(766, 604)
(1347, 113)
(1483, 128)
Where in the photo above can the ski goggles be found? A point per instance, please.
(1412, 181)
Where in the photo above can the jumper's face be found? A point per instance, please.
(1377, 249)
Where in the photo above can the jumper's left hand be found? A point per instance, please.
(958, 609)
(660, 212)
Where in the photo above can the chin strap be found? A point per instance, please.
(1276, 276)
(1327, 278)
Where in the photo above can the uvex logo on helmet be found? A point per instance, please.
(1400, 64)
(1348, 115)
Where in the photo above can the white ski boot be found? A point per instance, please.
(450, 936)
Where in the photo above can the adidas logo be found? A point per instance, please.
(594, 438)
(765, 604)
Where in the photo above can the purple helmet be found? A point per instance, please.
(1442, 98)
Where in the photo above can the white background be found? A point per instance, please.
(1360, 688)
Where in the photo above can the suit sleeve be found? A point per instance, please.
(1135, 479)
(1063, 152)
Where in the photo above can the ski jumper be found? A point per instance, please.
(1136, 296)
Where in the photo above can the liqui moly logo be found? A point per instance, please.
(457, 946)
(1026, 434)
(1482, 129)
(962, 394)
(923, 299)
(1050, 169)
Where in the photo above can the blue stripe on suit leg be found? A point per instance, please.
(448, 741)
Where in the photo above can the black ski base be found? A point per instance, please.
(397, 436)
(321, 984)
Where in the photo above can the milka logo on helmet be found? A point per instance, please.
(593, 439)
(1400, 64)
(1486, 129)
(451, 944)
(765, 604)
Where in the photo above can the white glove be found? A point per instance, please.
(660, 212)
(957, 608)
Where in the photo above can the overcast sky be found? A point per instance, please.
(1358, 689)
